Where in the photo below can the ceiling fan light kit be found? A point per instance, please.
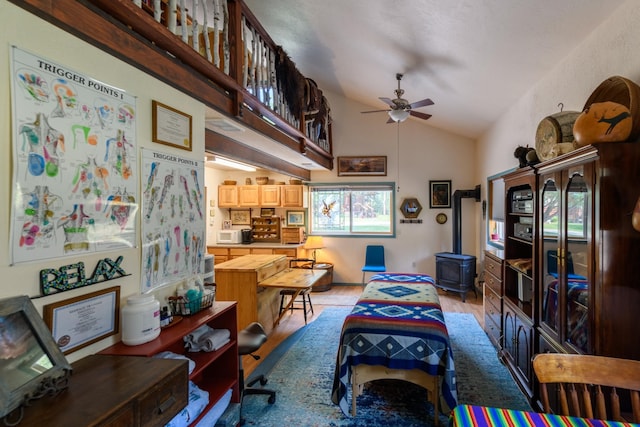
(400, 109)
(398, 115)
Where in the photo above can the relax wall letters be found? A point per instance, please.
(73, 276)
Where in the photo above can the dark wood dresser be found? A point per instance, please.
(115, 391)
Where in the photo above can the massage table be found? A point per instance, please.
(396, 330)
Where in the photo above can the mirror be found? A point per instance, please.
(31, 363)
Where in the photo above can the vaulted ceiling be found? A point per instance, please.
(473, 58)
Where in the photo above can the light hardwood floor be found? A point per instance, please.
(347, 295)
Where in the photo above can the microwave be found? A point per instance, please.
(229, 236)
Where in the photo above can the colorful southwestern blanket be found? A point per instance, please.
(396, 323)
(482, 416)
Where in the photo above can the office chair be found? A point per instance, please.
(250, 339)
(374, 260)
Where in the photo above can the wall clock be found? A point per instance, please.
(441, 218)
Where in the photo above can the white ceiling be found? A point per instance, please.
(473, 58)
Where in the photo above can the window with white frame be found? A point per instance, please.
(352, 210)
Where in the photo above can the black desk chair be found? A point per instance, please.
(306, 298)
(250, 339)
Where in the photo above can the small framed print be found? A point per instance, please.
(440, 194)
(226, 224)
(170, 126)
(295, 218)
(241, 217)
(267, 212)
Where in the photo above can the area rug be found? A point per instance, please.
(301, 371)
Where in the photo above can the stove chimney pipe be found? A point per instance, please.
(458, 195)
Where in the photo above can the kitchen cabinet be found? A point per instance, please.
(249, 196)
(292, 196)
(215, 372)
(227, 196)
(270, 195)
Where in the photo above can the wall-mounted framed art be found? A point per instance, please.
(295, 218)
(241, 217)
(267, 212)
(362, 166)
(170, 126)
(440, 194)
(410, 208)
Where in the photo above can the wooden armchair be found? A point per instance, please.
(584, 380)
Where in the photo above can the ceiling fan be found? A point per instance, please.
(400, 109)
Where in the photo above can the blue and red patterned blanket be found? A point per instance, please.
(397, 323)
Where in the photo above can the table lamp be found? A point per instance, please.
(315, 243)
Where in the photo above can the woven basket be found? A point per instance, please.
(229, 182)
(622, 91)
(262, 180)
(295, 181)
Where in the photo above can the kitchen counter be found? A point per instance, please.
(226, 252)
(257, 245)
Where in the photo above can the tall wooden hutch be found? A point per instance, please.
(579, 292)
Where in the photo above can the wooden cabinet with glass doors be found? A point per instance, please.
(589, 278)
(518, 297)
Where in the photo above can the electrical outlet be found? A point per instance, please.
(413, 264)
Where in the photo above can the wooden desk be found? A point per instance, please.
(469, 416)
(296, 279)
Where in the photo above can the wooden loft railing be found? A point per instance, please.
(227, 61)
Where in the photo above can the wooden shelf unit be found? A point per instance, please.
(266, 229)
(215, 372)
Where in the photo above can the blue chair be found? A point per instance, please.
(552, 266)
(374, 260)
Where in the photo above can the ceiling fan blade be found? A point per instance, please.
(419, 115)
(373, 111)
(387, 101)
(391, 120)
(422, 103)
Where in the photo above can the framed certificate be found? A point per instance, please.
(170, 126)
(83, 320)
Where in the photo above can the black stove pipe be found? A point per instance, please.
(458, 195)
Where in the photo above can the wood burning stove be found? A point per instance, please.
(455, 271)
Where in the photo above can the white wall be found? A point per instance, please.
(611, 49)
(30, 33)
(415, 155)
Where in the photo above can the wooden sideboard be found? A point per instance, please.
(115, 391)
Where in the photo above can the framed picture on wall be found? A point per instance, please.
(295, 218)
(440, 194)
(241, 217)
(362, 166)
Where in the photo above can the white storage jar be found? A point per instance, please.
(140, 320)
